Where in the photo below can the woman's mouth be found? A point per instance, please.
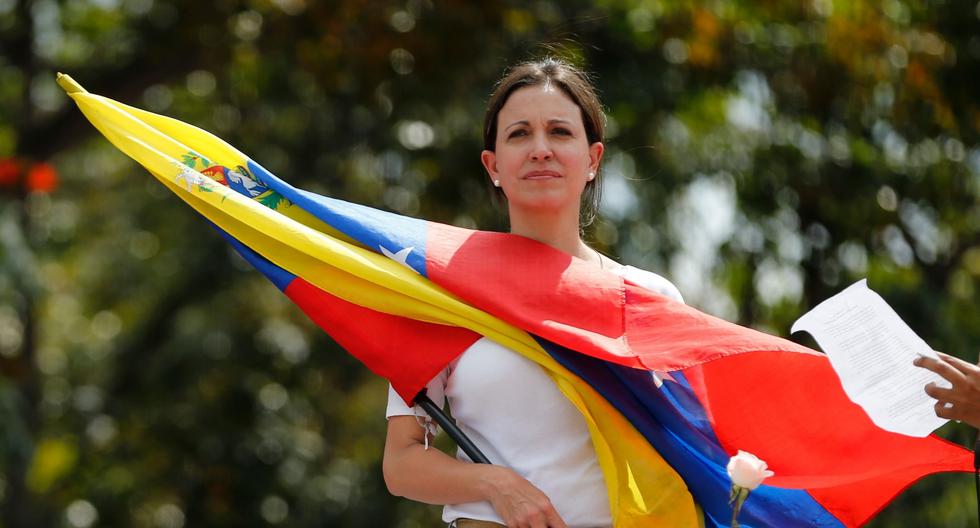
(541, 175)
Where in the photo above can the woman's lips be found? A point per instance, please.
(541, 175)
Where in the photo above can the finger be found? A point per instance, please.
(536, 520)
(958, 364)
(946, 410)
(555, 520)
(925, 362)
(942, 393)
(942, 368)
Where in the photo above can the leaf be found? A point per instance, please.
(53, 459)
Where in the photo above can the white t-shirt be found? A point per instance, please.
(509, 407)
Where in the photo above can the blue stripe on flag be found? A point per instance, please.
(403, 238)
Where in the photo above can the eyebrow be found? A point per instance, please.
(550, 122)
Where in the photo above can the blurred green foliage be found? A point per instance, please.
(763, 155)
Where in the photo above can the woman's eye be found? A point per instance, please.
(562, 132)
(517, 133)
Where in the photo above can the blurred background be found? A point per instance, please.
(761, 154)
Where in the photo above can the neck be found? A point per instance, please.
(558, 229)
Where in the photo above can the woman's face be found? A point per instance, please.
(543, 158)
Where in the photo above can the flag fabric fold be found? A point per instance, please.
(668, 392)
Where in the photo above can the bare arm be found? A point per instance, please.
(431, 476)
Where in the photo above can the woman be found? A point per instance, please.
(543, 145)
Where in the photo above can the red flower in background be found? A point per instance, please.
(42, 177)
(9, 171)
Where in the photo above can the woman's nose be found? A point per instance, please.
(542, 151)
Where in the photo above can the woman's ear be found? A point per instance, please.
(595, 156)
(489, 160)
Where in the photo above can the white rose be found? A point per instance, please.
(747, 471)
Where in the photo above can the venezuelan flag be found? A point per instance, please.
(668, 392)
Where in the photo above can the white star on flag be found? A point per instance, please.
(401, 257)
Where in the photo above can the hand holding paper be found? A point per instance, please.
(961, 400)
(872, 350)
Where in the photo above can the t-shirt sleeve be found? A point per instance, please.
(435, 390)
(652, 281)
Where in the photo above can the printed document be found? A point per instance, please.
(872, 349)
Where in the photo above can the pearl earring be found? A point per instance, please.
(496, 183)
(591, 175)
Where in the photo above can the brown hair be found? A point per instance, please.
(575, 84)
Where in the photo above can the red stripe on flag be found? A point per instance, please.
(790, 410)
(408, 353)
(668, 335)
(533, 286)
(572, 303)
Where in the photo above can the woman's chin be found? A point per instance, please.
(543, 204)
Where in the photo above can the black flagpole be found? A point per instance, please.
(451, 429)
